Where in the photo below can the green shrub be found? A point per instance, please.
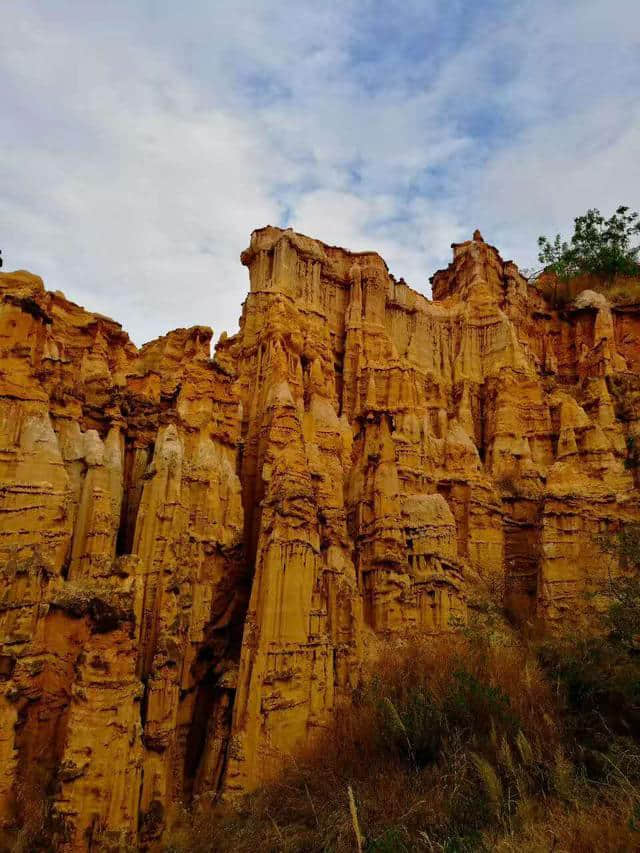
(597, 672)
(599, 246)
(475, 742)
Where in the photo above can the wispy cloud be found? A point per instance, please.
(141, 142)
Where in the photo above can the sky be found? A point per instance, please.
(141, 141)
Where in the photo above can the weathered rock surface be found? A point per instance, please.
(196, 553)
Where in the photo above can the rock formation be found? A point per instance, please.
(197, 554)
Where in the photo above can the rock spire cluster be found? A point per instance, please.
(197, 554)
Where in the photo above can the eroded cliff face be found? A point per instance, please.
(197, 554)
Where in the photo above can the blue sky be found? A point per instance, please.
(141, 141)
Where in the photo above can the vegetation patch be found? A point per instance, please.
(600, 247)
(481, 742)
(107, 608)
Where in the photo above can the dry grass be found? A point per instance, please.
(623, 290)
(609, 825)
(451, 745)
(624, 293)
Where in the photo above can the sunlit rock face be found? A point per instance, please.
(197, 554)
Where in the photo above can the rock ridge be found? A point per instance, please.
(198, 554)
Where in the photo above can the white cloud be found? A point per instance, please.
(139, 203)
(142, 142)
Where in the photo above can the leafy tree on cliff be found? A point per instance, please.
(599, 246)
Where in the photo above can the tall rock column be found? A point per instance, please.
(301, 631)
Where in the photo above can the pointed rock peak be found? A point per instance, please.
(279, 365)
(477, 236)
(280, 395)
(316, 377)
(112, 441)
(387, 446)
(371, 401)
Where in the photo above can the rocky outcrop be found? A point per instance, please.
(197, 554)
